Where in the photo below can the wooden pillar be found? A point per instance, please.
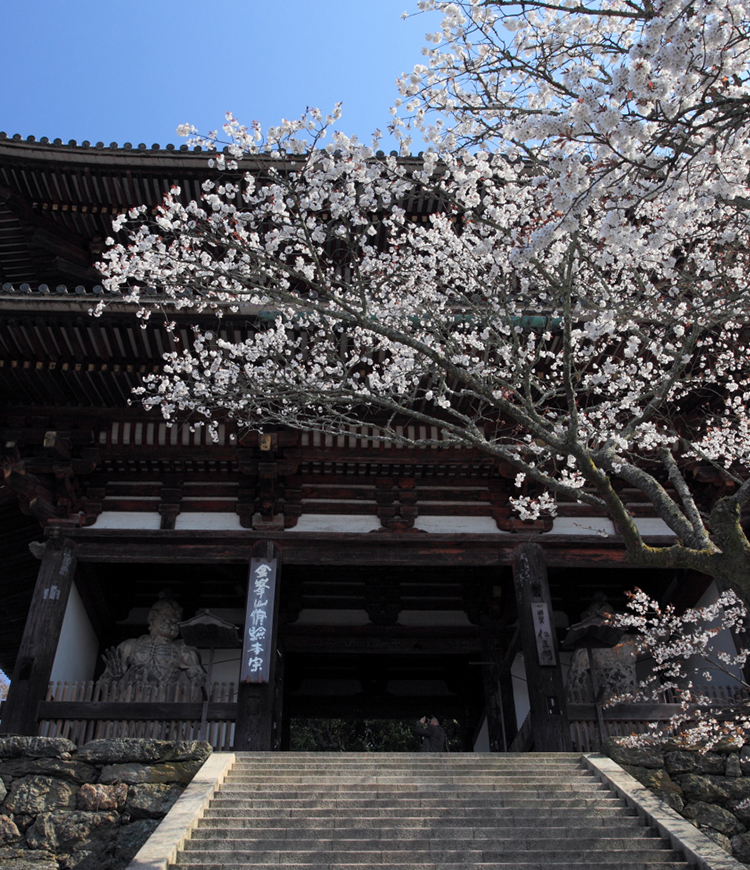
(278, 737)
(549, 720)
(40, 638)
(254, 730)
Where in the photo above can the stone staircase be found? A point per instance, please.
(428, 812)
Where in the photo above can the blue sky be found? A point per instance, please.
(132, 70)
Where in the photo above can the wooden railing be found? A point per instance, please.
(590, 722)
(85, 711)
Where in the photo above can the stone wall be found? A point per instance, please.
(88, 808)
(711, 789)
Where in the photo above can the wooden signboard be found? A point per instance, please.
(544, 633)
(258, 648)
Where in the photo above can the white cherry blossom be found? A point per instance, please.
(570, 297)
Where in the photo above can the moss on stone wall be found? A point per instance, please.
(711, 789)
(65, 808)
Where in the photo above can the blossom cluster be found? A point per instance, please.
(686, 656)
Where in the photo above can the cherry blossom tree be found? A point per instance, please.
(687, 655)
(569, 296)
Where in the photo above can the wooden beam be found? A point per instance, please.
(380, 640)
(549, 720)
(40, 638)
(625, 712)
(140, 710)
(318, 548)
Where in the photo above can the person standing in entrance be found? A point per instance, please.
(434, 738)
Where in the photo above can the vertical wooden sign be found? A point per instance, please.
(549, 719)
(544, 633)
(258, 697)
(258, 648)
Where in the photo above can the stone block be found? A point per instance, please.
(639, 756)
(135, 750)
(88, 859)
(738, 787)
(73, 770)
(22, 859)
(712, 816)
(9, 832)
(741, 847)
(36, 747)
(190, 750)
(64, 830)
(714, 789)
(741, 810)
(677, 802)
(3, 790)
(121, 750)
(133, 774)
(732, 765)
(720, 839)
(131, 837)
(657, 779)
(32, 795)
(94, 798)
(686, 761)
(152, 800)
(23, 821)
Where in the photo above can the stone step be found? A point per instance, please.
(438, 775)
(416, 761)
(364, 782)
(442, 787)
(467, 758)
(599, 863)
(412, 812)
(555, 826)
(463, 805)
(534, 813)
(338, 841)
(411, 771)
(447, 791)
(436, 832)
(545, 858)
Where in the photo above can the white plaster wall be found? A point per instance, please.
(520, 690)
(359, 524)
(723, 642)
(482, 743)
(149, 520)
(218, 521)
(456, 525)
(78, 648)
(335, 523)
(603, 526)
(653, 526)
(582, 526)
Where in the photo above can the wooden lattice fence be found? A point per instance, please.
(83, 711)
